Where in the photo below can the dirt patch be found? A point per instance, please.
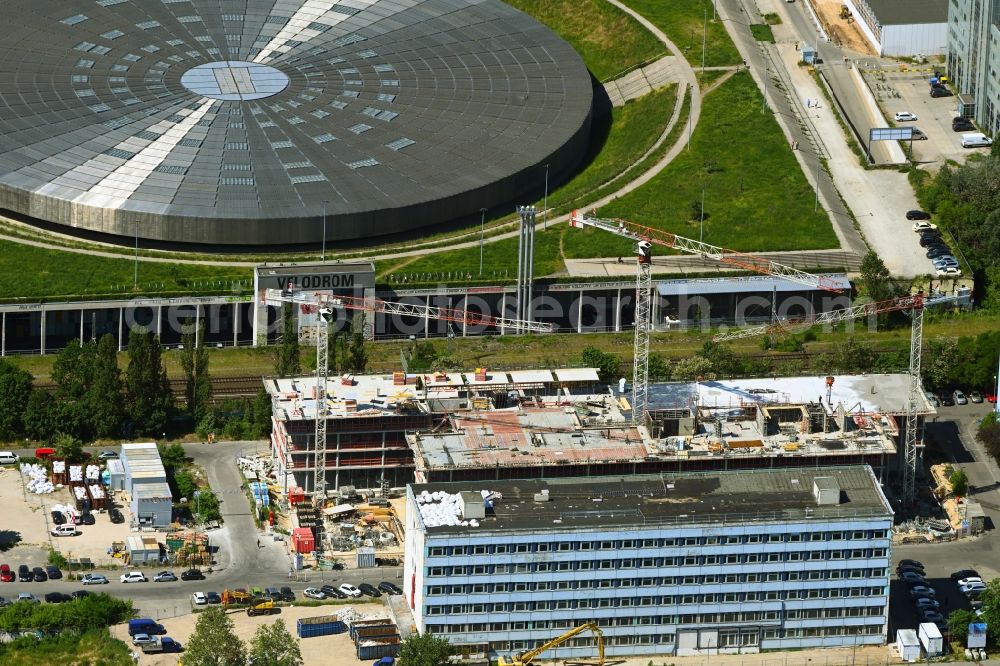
(842, 32)
(27, 522)
(336, 650)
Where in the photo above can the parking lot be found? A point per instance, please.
(933, 114)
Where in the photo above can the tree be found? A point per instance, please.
(103, 395)
(959, 482)
(355, 354)
(15, 391)
(991, 610)
(988, 435)
(875, 279)
(425, 649)
(213, 642)
(958, 624)
(659, 369)
(68, 447)
(41, 416)
(854, 355)
(194, 362)
(939, 362)
(608, 366)
(147, 389)
(691, 368)
(286, 362)
(273, 645)
(172, 456)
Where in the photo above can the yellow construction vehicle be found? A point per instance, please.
(845, 12)
(525, 658)
(262, 607)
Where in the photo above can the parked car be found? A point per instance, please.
(908, 569)
(86, 518)
(946, 400)
(80, 594)
(918, 134)
(164, 577)
(923, 225)
(350, 590)
(115, 515)
(904, 116)
(911, 577)
(922, 591)
(213, 597)
(27, 596)
(56, 598)
(24, 574)
(272, 593)
(917, 215)
(143, 639)
(961, 124)
(53, 572)
(192, 574)
(389, 588)
(64, 530)
(973, 588)
(94, 579)
(6, 575)
(960, 398)
(369, 590)
(107, 455)
(940, 91)
(931, 615)
(924, 602)
(950, 271)
(932, 399)
(58, 517)
(975, 396)
(332, 592)
(965, 573)
(133, 577)
(965, 582)
(38, 575)
(313, 593)
(199, 599)
(5, 602)
(287, 594)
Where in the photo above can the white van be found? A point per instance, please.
(8, 458)
(976, 140)
(64, 530)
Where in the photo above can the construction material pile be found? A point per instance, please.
(38, 479)
(96, 491)
(58, 466)
(441, 509)
(93, 472)
(80, 492)
(76, 473)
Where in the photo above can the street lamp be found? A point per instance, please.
(135, 273)
(482, 233)
(545, 202)
(323, 255)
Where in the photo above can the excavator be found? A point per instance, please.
(525, 658)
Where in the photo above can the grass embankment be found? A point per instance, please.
(756, 197)
(93, 648)
(561, 350)
(609, 40)
(32, 273)
(684, 23)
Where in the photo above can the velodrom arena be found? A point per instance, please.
(241, 122)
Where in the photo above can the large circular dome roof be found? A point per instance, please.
(242, 121)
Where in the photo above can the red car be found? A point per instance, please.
(991, 397)
(6, 575)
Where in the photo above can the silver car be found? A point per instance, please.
(960, 398)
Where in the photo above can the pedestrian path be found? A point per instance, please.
(642, 81)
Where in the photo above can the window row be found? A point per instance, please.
(631, 602)
(626, 544)
(648, 581)
(659, 562)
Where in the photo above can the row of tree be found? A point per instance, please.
(94, 611)
(347, 352)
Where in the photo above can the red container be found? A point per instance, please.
(296, 495)
(303, 540)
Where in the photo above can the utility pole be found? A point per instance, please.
(816, 202)
(323, 255)
(482, 233)
(704, 39)
(545, 202)
(135, 272)
(763, 101)
(701, 227)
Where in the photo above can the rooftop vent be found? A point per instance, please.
(472, 504)
(826, 490)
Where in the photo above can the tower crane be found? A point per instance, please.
(525, 658)
(916, 305)
(325, 305)
(645, 238)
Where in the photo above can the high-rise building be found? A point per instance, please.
(974, 58)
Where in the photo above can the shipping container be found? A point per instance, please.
(303, 540)
(357, 625)
(907, 645)
(931, 639)
(376, 649)
(324, 625)
(378, 631)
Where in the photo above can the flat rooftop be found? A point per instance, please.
(350, 396)
(683, 499)
(586, 429)
(906, 12)
(881, 393)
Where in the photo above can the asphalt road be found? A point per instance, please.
(246, 557)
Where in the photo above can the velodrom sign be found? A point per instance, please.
(352, 277)
(358, 275)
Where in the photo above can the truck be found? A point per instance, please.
(976, 140)
(162, 644)
(262, 607)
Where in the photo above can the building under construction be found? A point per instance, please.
(369, 417)
(708, 425)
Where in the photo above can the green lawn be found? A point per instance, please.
(762, 32)
(609, 40)
(756, 197)
(34, 273)
(95, 648)
(684, 23)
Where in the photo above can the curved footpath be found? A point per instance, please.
(687, 80)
